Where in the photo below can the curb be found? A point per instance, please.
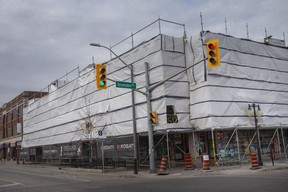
(124, 173)
(273, 168)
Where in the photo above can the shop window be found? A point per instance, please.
(171, 114)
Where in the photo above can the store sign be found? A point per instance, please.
(116, 147)
(172, 118)
(125, 146)
(107, 147)
(67, 151)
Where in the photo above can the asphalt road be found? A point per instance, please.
(42, 179)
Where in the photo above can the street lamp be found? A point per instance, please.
(256, 113)
(135, 143)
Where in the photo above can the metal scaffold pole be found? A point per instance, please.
(279, 144)
(194, 144)
(213, 146)
(238, 148)
(168, 151)
(283, 141)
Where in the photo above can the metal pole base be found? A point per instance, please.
(135, 166)
(163, 173)
(188, 169)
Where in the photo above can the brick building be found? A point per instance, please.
(11, 123)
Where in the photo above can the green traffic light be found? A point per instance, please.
(102, 83)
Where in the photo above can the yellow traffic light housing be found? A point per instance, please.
(154, 117)
(101, 79)
(213, 52)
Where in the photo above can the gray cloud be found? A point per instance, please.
(42, 40)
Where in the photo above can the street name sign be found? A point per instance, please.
(127, 85)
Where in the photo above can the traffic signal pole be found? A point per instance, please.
(149, 123)
(135, 141)
(149, 109)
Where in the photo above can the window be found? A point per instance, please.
(171, 115)
(20, 111)
(14, 114)
(9, 117)
(1, 128)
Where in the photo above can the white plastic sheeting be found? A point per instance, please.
(59, 116)
(203, 98)
(251, 72)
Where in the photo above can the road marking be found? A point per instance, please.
(8, 185)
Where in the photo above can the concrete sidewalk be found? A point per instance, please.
(243, 169)
(231, 170)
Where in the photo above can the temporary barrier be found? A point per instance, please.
(163, 166)
(188, 162)
(206, 163)
(254, 161)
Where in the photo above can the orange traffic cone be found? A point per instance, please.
(206, 163)
(254, 161)
(188, 162)
(163, 166)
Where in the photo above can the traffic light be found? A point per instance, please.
(154, 117)
(101, 79)
(213, 52)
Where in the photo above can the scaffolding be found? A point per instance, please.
(156, 27)
(238, 146)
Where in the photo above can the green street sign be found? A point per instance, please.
(126, 85)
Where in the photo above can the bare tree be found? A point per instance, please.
(87, 129)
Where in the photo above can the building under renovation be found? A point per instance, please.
(200, 110)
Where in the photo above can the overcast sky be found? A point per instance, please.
(42, 40)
